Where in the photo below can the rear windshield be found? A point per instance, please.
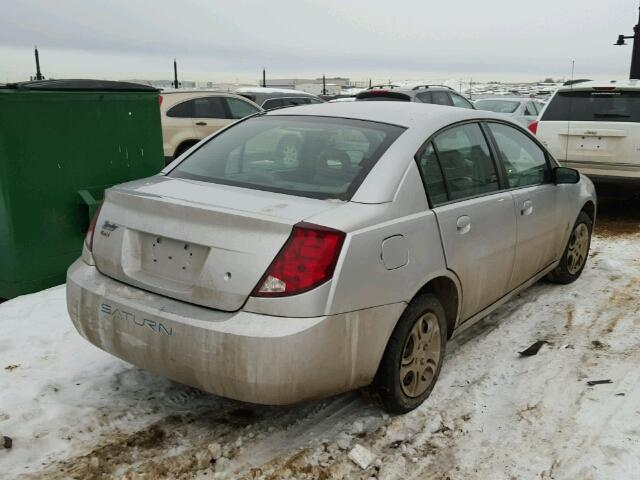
(498, 106)
(594, 106)
(318, 157)
(382, 96)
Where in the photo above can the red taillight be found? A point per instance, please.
(306, 260)
(533, 127)
(160, 100)
(92, 228)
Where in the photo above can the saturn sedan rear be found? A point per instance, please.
(275, 275)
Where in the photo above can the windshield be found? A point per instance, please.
(498, 106)
(594, 106)
(319, 157)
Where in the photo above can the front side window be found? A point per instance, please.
(295, 101)
(240, 108)
(460, 102)
(318, 157)
(468, 167)
(524, 161)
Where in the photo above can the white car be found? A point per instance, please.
(595, 128)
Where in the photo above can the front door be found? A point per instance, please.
(539, 215)
(475, 216)
(210, 115)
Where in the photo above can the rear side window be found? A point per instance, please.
(530, 109)
(239, 108)
(594, 106)
(209, 107)
(318, 157)
(272, 103)
(498, 106)
(466, 162)
(294, 101)
(524, 161)
(440, 98)
(424, 97)
(460, 102)
(432, 175)
(182, 110)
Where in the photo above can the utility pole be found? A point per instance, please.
(634, 72)
(369, 83)
(324, 85)
(175, 74)
(39, 75)
(264, 78)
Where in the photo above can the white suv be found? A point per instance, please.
(595, 128)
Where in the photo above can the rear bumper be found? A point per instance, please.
(241, 355)
(606, 172)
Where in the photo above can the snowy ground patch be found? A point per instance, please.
(75, 411)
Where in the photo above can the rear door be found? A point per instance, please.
(539, 215)
(475, 214)
(596, 130)
(209, 115)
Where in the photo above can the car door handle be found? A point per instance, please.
(527, 208)
(201, 123)
(463, 224)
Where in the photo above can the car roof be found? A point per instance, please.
(405, 114)
(509, 99)
(591, 84)
(267, 90)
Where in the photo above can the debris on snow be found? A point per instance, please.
(591, 383)
(533, 349)
(7, 442)
(215, 450)
(361, 456)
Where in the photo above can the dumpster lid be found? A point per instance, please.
(81, 84)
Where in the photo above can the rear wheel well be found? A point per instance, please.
(447, 293)
(590, 209)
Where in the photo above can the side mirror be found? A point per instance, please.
(566, 175)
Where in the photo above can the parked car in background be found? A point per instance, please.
(188, 116)
(273, 281)
(520, 109)
(595, 128)
(436, 94)
(270, 98)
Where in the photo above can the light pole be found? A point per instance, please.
(635, 53)
(39, 75)
(176, 84)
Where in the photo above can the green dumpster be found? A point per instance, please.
(62, 142)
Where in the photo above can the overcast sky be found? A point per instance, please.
(232, 40)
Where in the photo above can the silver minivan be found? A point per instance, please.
(274, 280)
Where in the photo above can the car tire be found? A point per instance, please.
(413, 357)
(575, 253)
(288, 151)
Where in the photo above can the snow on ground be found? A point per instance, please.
(74, 411)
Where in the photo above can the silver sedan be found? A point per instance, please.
(275, 278)
(519, 109)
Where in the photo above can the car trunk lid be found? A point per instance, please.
(199, 242)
